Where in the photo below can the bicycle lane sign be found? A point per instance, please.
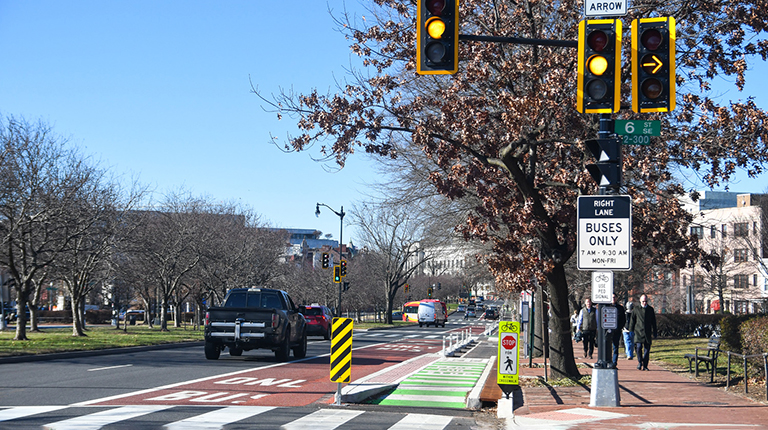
(508, 364)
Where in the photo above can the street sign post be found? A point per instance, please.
(508, 364)
(604, 236)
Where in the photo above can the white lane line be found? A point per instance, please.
(110, 367)
(218, 419)
(103, 418)
(324, 419)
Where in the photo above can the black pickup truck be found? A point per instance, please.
(252, 318)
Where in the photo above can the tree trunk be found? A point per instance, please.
(562, 362)
(77, 322)
(163, 312)
(22, 295)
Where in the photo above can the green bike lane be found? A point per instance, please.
(442, 384)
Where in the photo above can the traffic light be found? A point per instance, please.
(599, 66)
(439, 287)
(407, 289)
(437, 37)
(429, 292)
(653, 64)
(336, 273)
(607, 171)
(343, 271)
(326, 260)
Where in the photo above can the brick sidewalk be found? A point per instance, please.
(658, 398)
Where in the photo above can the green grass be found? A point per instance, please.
(671, 351)
(61, 340)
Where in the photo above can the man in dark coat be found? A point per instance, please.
(614, 337)
(587, 324)
(643, 324)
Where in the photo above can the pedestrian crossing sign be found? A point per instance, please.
(508, 364)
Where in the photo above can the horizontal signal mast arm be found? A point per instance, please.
(520, 40)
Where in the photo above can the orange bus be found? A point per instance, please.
(411, 309)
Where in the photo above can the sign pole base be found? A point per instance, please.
(605, 388)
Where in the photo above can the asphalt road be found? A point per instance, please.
(83, 385)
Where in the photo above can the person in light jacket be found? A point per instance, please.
(643, 325)
(587, 324)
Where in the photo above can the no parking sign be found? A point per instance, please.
(508, 365)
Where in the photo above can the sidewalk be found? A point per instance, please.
(658, 398)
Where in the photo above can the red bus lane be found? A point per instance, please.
(285, 384)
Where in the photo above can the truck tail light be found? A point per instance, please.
(275, 320)
(207, 319)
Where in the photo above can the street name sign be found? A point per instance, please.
(636, 132)
(596, 8)
(604, 237)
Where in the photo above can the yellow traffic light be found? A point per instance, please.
(437, 38)
(653, 64)
(435, 28)
(599, 66)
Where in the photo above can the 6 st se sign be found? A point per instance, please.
(605, 233)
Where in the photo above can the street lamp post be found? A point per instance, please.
(341, 241)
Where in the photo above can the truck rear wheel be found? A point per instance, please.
(212, 351)
(301, 350)
(284, 351)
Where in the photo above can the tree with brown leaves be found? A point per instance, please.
(504, 129)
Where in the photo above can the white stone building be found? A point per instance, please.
(732, 226)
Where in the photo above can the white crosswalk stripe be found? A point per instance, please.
(422, 422)
(25, 411)
(218, 418)
(100, 419)
(324, 419)
(209, 418)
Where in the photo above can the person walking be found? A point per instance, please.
(629, 336)
(587, 323)
(575, 321)
(643, 325)
(614, 335)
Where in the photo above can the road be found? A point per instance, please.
(178, 388)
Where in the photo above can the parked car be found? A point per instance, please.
(319, 320)
(397, 315)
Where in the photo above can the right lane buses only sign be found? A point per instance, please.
(605, 233)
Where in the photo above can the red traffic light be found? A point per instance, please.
(651, 39)
(435, 7)
(597, 40)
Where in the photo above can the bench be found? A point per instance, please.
(709, 360)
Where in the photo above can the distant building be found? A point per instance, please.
(306, 247)
(732, 226)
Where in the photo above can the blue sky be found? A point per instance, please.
(160, 89)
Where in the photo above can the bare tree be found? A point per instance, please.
(392, 235)
(40, 179)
